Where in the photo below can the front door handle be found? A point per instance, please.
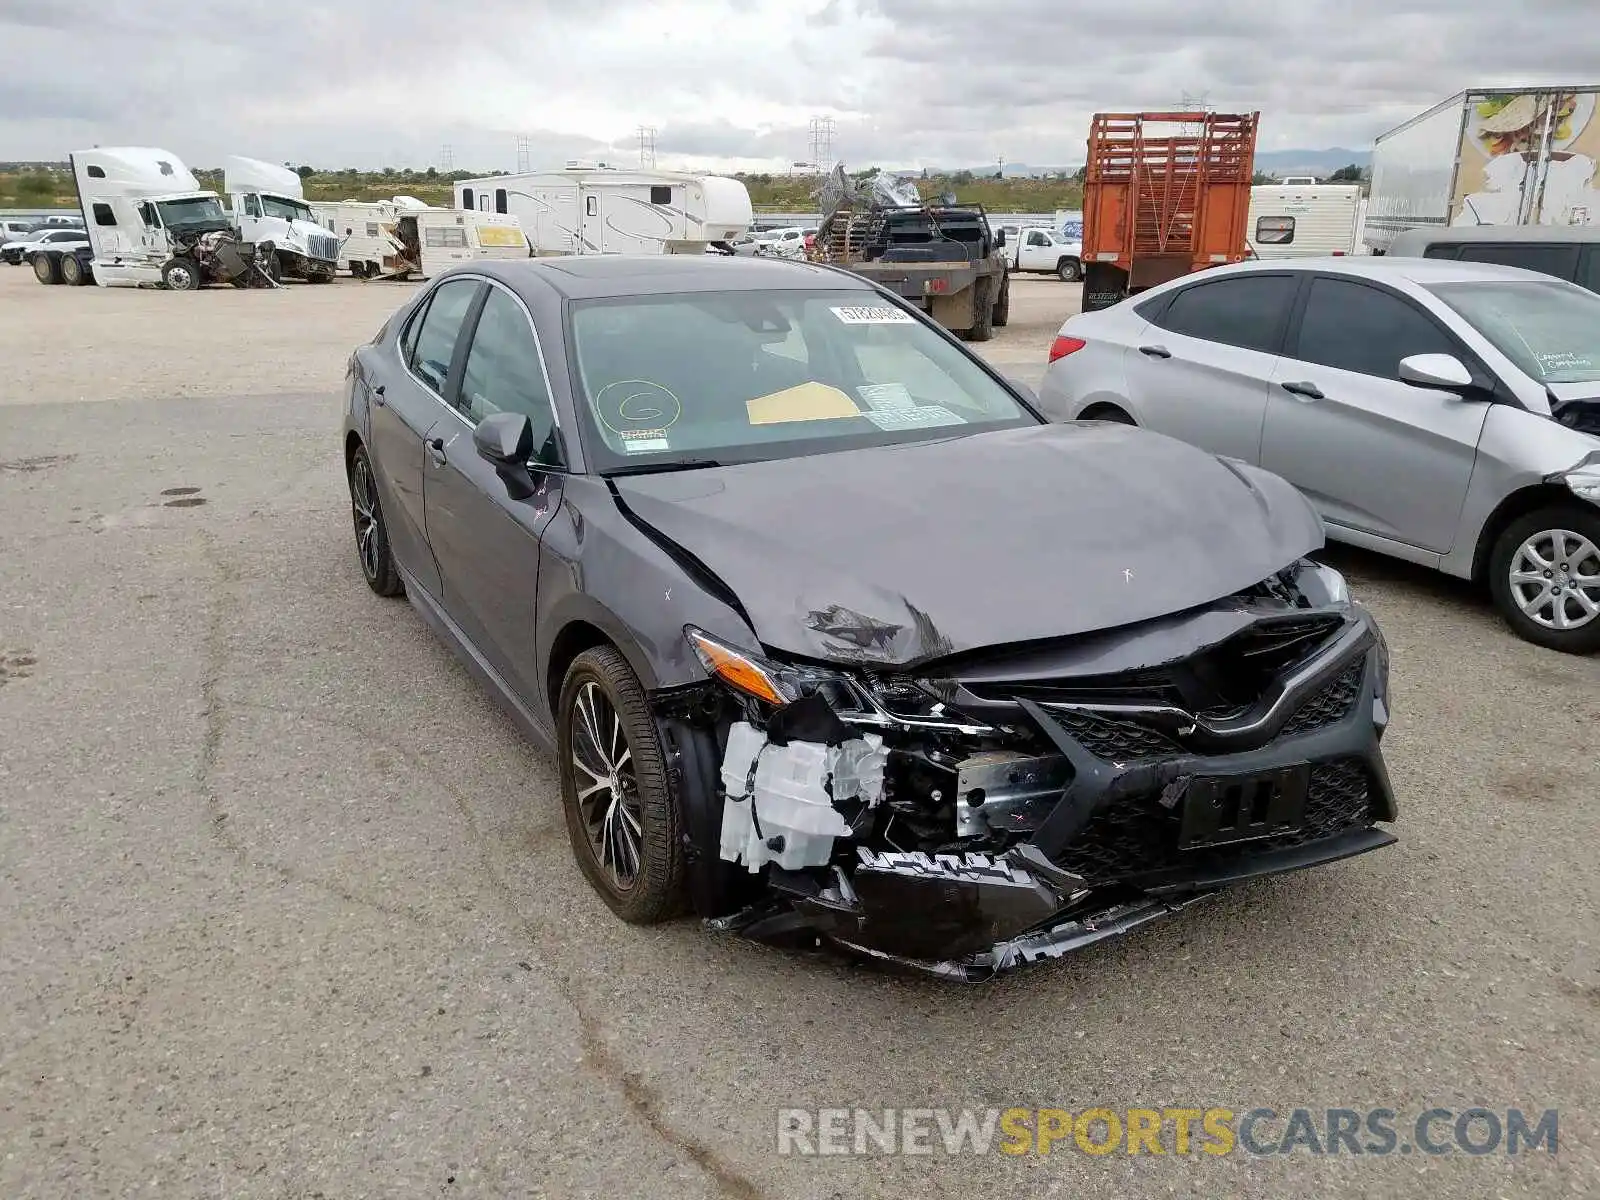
(1301, 387)
(1155, 351)
(436, 451)
(377, 396)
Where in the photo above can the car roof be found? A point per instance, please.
(599, 276)
(1424, 272)
(1494, 233)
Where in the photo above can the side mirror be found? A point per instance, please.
(505, 439)
(1441, 372)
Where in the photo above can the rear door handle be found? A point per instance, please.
(1155, 351)
(436, 451)
(1301, 387)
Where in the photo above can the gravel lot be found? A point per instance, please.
(290, 909)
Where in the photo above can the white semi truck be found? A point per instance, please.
(590, 208)
(269, 206)
(1490, 156)
(149, 222)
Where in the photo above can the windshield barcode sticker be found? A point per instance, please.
(644, 441)
(873, 316)
(923, 417)
(886, 397)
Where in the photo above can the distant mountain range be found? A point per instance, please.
(1270, 162)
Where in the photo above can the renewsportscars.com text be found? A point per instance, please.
(1174, 1131)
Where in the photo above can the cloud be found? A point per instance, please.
(734, 83)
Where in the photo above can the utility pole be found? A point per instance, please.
(524, 159)
(822, 144)
(647, 146)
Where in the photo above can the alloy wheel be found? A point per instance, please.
(606, 784)
(364, 508)
(1555, 579)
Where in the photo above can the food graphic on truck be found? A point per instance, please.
(1505, 135)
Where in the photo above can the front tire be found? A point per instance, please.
(1544, 575)
(372, 535)
(621, 817)
(181, 275)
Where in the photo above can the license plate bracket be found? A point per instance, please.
(1224, 810)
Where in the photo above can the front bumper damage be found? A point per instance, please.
(1016, 821)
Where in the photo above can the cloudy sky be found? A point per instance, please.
(369, 83)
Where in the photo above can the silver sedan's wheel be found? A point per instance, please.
(1555, 577)
(1544, 572)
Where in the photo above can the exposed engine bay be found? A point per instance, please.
(998, 808)
(219, 256)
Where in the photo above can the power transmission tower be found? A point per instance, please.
(822, 144)
(524, 159)
(1192, 102)
(447, 158)
(647, 146)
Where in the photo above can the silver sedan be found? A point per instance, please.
(1441, 412)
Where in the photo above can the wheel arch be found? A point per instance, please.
(1095, 410)
(1516, 504)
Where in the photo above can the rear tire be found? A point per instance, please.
(1526, 565)
(46, 269)
(71, 270)
(983, 330)
(606, 735)
(1002, 309)
(1069, 270)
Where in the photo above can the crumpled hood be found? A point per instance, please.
(897, 555)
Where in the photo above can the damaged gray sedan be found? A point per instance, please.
(833, 636)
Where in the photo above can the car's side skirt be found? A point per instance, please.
(1381, 545)
(456, 638)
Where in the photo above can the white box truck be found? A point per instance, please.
(149, 222)
(590, 208)
(1304, 220)
(1490, 156)
(269, 206)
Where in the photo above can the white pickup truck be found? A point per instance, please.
(1038, 248)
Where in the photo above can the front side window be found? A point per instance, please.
(440, 326)
(750, 375)
(1246, 311)
(504, 373)
(1551, 331)
(1274, 231)
(1353, 327)
(1038, 239)
(252, 206)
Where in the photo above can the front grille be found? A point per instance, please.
(323, 246)
(1329, 704)
(1136, 837)
(1112, 740)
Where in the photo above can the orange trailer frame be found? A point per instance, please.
(1160, 203)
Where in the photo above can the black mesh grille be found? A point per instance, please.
(1139, 836)
(1329, 704)
(1115, 741)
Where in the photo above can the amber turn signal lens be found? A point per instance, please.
(735, 669)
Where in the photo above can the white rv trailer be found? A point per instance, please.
(141, 205)
(590, 208)
(1305, 221)
(404, 237)
(269, 205)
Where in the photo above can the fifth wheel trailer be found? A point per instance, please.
(1490, 156)
(594, 209)
(1304, 221)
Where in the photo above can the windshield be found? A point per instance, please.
(738, 376)
(289, 210)
(194, 211)
(1551, 330)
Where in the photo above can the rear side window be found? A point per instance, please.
(1356, 328)
(1442, 250)
(1589, 269)
(1246, 311)
(1550, 258)
(437, 331)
